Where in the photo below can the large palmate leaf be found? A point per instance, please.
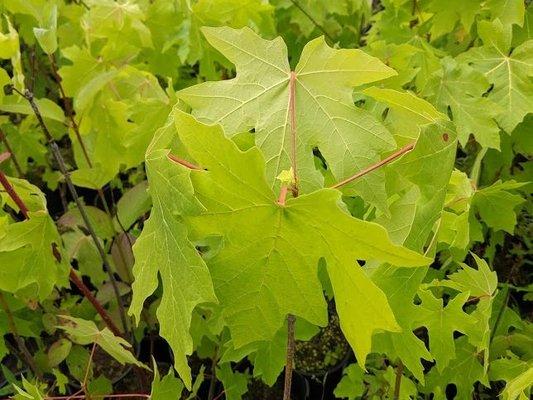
(510, 71)
(163, 249)
(267, 265)
(259, 97)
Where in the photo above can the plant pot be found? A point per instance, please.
(327, 352)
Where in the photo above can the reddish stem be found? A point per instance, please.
(4, 156)
(183, 162)
(375, 166)
(14, 196)
(96, 304)
(282, 195)
(219, 395)
(99, 396)
(292, 116)
(73, 277)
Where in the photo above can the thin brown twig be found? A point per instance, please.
(96, 304)
(88, 368)
(14, 195)
(20, 342)
(69, 112)
(73, 395)
(398, 381)
(289, 364)
(375, 166)
(219, 395)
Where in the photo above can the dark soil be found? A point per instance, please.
(325, 351)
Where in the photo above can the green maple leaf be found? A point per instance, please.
(508, 11)
(166, 388)
(408, 114)
(480, 283)
(117, 108)
(27, 256)
(401, 285)
(267, 266)
(349, 138)
(86, 332)
(519, 387)
(352, 385)
(10, 48)
(442, 322)
(193, 47)
(464, 372)
(461, 88)
(517, 374)
(164, 250)
(235, 383)
(447, 14)
(46, 34)
(496, 204)
(509, 70)
(114, 21)
(30, 391)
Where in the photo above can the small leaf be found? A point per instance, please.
(58, 351)
(167, 388)
(86, 332)
(47, 35)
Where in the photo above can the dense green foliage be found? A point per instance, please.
(246, 165)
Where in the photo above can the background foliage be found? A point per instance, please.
(115, 81)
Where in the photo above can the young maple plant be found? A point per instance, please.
(265, 199)
(271, 232)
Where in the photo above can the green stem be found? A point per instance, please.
(476, 168)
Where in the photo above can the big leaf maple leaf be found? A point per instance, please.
(163, 250)
(323, 109)
(266, 267)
